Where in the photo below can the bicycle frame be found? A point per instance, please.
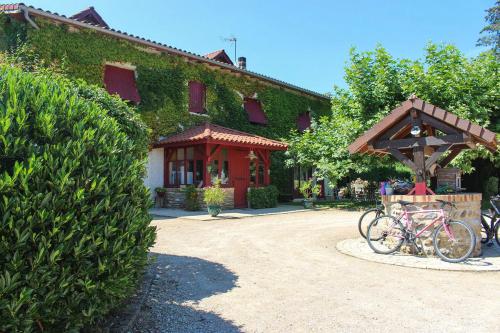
(408, 223)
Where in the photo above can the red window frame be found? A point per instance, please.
(197, 97)
(121, 81)
(304, 121)
(256, 115)
(197, 160)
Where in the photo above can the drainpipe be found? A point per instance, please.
(27, 17)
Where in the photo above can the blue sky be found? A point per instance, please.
(301, 42)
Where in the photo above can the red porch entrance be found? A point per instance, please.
(203, 154)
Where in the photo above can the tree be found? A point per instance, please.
(377, 83)
(491, 32)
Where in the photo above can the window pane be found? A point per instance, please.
(181, 172)
(252, 172)
(180, 154)
(172, 173)
(224, 174)
(199, 171)
(190, 171)
(189, 153)
(214, 171)
(261, 173)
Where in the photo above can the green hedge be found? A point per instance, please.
(74, 231)
(263, 197)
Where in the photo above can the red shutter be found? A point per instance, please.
(121, 81)
(303, 121)
(254, 111)
(196, 97)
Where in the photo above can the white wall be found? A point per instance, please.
(154, 176)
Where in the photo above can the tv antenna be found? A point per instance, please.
(232, 39)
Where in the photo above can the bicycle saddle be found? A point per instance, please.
(404, 203)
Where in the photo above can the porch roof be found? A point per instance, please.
(433, 115)
(211, 133)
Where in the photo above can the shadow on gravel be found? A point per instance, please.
(179, 280)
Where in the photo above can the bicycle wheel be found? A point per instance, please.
(385, 234)
(485, 228)
(457, 245)
(497, 232)
(366, 218)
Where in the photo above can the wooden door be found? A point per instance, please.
(240, 176)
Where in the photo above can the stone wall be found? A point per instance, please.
(174, 198)
(468, 209)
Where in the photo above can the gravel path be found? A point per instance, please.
(282, 273)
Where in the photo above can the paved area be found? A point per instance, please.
(358, 247)
(283, 273)
(226, 214)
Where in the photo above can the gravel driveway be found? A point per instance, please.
(282, 273)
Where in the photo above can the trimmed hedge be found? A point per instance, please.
(74, 222)
(263, 197)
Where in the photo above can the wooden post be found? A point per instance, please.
(206, 176)
(419, 161)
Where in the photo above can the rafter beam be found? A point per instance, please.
(435, 156)
(421, 142)
(403, 158)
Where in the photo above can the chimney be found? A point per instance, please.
(242, 63)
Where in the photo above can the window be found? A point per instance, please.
(197, 97)
(254, 111)
(304, 121)
(121, 81)
(184, 167)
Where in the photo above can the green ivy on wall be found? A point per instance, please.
(162, 83)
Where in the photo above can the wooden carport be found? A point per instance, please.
(418, 134)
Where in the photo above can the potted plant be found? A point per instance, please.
(160, 191)
(309, 191)
(214, 198)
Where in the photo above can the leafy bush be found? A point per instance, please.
(191, 202)
(214, 195)
(75, 227)
(308, 190)
(263, 197)
(490, 188)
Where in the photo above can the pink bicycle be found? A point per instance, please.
(453, 241)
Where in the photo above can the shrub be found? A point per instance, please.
(75, 227)
(214, 195)
(308, 190)
(191, 198)
(490, 188)
(263, 197)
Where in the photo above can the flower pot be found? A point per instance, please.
(214, 210)
(308, 203)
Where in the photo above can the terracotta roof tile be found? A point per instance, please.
(10, 7)
(215, 133)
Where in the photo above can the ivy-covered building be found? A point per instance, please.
(178, 92)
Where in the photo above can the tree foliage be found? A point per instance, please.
(377, 83)
(491, 32)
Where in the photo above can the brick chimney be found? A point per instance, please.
(242, 63)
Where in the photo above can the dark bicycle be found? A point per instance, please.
(368, 216)
(491, 223)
